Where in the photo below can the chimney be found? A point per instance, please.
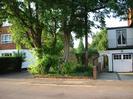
(130, 17)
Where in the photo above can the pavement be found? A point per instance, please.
(108, 76)
(102, 76)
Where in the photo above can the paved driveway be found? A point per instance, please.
(16, 75)
(115, 76)
(125, 76)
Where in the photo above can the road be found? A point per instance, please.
(68, 89)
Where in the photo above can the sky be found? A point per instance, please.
(110, 22)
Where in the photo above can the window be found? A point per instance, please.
(6, 38)
(6, 54)
(121, 37)
(127, 56)
(117, 56)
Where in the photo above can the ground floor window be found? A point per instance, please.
(117, 56)
(122, 56)
(6, 54)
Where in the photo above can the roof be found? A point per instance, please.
(118, 27)
(4, 27)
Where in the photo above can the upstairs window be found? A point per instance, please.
(6, 38)
(121, 37)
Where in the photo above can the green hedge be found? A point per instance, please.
(10, 64)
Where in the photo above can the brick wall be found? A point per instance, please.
(130, 17)
(5, 30)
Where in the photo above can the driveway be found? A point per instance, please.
(125, 76)
(115, 76)
(16, 75)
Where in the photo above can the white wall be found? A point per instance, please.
(110, 52)
(111, 36)
(130, 36)
(28, 60)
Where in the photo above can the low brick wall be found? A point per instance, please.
(96, 70)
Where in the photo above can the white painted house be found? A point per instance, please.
(120, 49)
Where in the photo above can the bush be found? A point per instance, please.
(92, 52)
(42, 66)
(19, 54)
(84, 71)
(10, 64)
(68, 67)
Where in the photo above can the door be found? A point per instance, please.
(122, 62)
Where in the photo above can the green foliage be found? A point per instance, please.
(50, 59)
(84, 71)
(20, 54)
(100, 41)
(79, 52)
(80, 48)
(68, 67)
(36, 24)
(43, 65)
(53, 47)
(19, 35)
(92, 52)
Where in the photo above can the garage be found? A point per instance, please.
(122, 62)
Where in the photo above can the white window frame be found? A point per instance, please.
(6, 38)
(6, 54)
(121, 31)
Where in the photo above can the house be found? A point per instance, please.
(120, 47)
(8, 48)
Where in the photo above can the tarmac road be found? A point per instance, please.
(64, 89)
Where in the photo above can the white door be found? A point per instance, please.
(122, 62)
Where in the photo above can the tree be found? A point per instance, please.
(100, 9)
(80, 52)
(84, 9)
(3, 16)
(32, 20)
(100, 41)
(26, 20)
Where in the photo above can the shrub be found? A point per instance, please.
(19, 54)
(68, 67)
(10, 64)
(92, 52)
(79, 52)
(42, 66)
(84, 71)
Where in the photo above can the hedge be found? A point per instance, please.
(10, 64)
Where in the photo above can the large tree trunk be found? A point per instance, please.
(36, 37)
(86, 38)
(66, 46)
(86, 50)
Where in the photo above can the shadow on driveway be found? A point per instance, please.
(16, 75)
